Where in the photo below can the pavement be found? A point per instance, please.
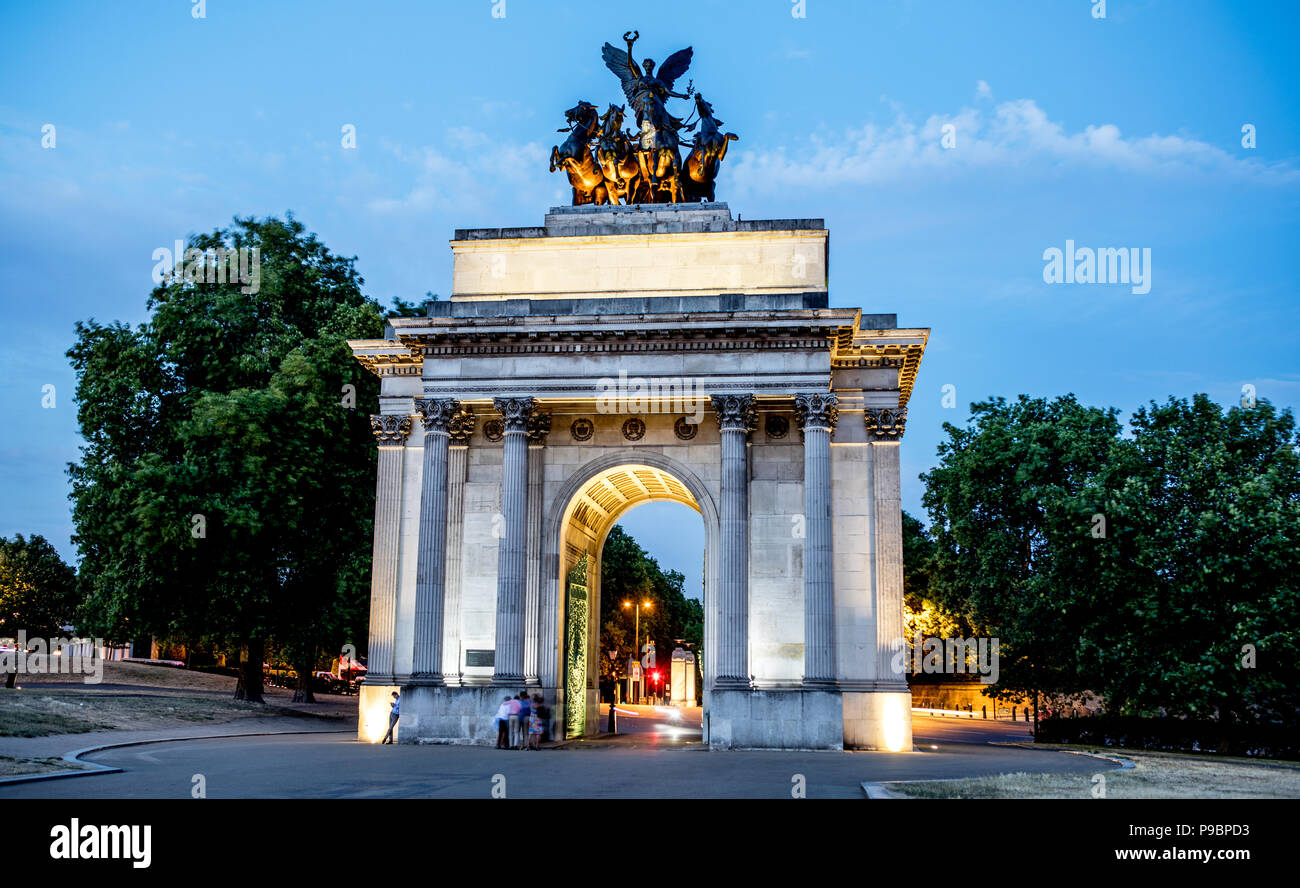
(646, 763)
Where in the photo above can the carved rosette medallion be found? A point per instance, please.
(885, 423)
(633, 429)
(582, 430)
(494, 430)
(776, 426)
(684, 429)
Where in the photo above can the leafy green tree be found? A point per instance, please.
(629, 574)
(403, 309)
(1010, 503)
(222, 493)
(922, 610)
(38, 592)
(1201, 565)
(1157, 570)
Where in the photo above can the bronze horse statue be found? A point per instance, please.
(575, 158)
(700, 171)
(618, 162)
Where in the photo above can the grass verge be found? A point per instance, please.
(1155, 775)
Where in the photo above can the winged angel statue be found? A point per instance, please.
(645, 167)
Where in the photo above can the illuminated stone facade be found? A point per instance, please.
(615, 356)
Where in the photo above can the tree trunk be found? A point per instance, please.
(10, 678)
(303, 694)
(250, 672)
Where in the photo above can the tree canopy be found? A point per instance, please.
(38, 591)
(629, 574)
(223, 492)
(1157, 568)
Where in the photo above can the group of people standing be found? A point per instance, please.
(522, 723)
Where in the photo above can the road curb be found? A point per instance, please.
(1124, 764)
(93, 768)
(878, 791)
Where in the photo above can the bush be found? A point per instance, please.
(1174, 735)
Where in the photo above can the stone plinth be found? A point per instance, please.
(880, 720)
(666, 251)
(774, 719)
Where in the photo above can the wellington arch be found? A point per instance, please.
(617, 355)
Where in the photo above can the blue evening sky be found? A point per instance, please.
(1117, 132)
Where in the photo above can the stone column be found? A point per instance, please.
(437, 416)
(885, 431)
(518, 415)
(539, 427)
(390, 432)
(818, 414)
(457, 467)
(737, 416)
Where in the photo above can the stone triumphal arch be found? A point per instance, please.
(618, 355)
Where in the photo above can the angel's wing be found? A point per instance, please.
(674, 66)
(617, 61)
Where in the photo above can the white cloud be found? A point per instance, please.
(983, 90)
(1014, 136)
(474, 171)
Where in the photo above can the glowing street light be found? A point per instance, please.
(637, 635)
(637, 638)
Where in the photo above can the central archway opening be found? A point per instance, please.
(633, 629)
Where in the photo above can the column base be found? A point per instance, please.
(732, 684)
(446, 715)
(432, 680)
(820, 684)
(775, 719)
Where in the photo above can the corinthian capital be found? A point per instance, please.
(446, 415)
(885, 423)
(820, 411)
(522, 415)
(436, 413)
(539, 426)
(735, 413)
(390, 429)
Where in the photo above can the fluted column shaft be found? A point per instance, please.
(817, 417)
(886, 490)
(457, 464)
(533, 567)
(512, 552)
(736, 416)
(431, 556)
(390, 431)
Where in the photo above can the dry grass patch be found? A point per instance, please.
(36, 713)
(15, 767)
(119, 673)
(1155, 775)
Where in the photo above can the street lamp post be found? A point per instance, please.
(637, 632)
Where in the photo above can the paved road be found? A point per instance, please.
(336, 766)
(669, 725)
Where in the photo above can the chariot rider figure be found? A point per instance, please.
(648, 92)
